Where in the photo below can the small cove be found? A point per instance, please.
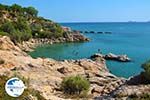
(126, 38)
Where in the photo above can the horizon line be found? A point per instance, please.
(108, 22)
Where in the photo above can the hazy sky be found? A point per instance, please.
(89, 10)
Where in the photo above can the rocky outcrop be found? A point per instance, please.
(129, 91)
(75, 36)
(136, 88)
(66, 29)
(46, 75)
(121, 58)
(111, 56)
(97, 55)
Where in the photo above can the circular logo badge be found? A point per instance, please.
(14, 87)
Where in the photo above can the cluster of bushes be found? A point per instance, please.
(20, 10)
(75, 85)
(23, 23)
(146, 73)
(18, 31)
(145, 96)
(46, 29)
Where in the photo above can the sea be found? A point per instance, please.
(130, 38)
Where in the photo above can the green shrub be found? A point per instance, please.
(31, 11)
(144, 96)
(146, 73)
(18, 31)
(8, 27)
(4, 7)
(16, 8)
(22, 26)
(36, 29)
(75, 85)
(3, 33)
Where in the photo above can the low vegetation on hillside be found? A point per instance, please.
(75, 85)
(146, 73)
(145, 96)
(23, 23)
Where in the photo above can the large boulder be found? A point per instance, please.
(79, 37)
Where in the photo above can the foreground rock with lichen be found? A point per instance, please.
(45, 75)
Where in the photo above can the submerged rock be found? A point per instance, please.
(100, 32)
(108, 32)
(86, 32)
(92, 32)
(81, 31)
(66, 29)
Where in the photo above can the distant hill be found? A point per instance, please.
(22, 23)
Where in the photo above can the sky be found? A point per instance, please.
(89, 10)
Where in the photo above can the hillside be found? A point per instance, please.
(23, 23)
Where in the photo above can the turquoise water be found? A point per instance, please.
(126, 38)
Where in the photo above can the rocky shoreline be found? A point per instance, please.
(34, 42)
(46, 75)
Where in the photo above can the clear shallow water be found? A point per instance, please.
(126, 38)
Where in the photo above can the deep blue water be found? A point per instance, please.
(126, 38)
